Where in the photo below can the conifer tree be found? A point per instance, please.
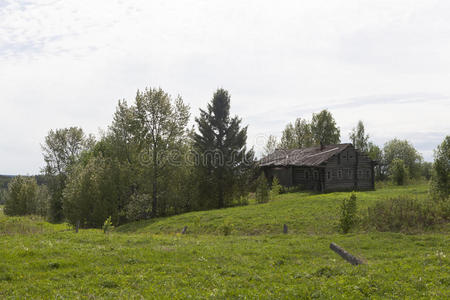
(221, 150)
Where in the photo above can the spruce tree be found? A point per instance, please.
(221, 150)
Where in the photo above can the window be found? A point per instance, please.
(340, 174)
(316, 175)
(328, 175)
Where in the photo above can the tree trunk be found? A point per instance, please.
(221, 203)
(155, 185)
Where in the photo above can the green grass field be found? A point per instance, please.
(151, 259)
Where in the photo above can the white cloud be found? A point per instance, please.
(67, 63)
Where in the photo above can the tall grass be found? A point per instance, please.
(406, 213)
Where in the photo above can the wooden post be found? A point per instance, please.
(184, 230)
(285, 229)
(345, 255)
(77, 226)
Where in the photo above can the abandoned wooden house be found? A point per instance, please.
(329, 168)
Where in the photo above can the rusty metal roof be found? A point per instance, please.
(312, 156)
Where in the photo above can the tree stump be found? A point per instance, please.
(184, 230)
(345, 255)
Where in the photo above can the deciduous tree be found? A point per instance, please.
(61, 149)
(359, 138)
(324, 129)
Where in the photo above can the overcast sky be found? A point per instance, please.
(66, 63)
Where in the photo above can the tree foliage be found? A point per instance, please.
(138, 169)
(402, 150)
(61, 149)
(297, 135)
(22, 196)
(440, 181)
(161, 127)
(399, 172)
(359, 138)
(270, 146)
(224, 161)
(324, 129)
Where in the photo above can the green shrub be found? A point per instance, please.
(262, 189)
(405, 213)
(276, 187)
(348, 216)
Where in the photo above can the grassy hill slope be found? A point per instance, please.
(149, 260)
(304, 213)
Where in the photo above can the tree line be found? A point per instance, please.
(149, 163)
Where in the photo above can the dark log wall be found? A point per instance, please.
(307, 177)
(349, 170)
(284, 175)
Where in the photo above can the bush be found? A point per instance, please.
(22, 196)
(399, 172)
(262, 189)
(276, 187)
(107, 226)
(405, 213)
(348, 216)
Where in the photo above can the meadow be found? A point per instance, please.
(237, 253)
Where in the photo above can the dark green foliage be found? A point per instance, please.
(399, 172)
(262, 189)
(406, 213)
(348, 210)
(440, 182)
(22, 196)
(91, 195)
(222, 158)
(426, 170)
(3, 195)
(4, 180)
